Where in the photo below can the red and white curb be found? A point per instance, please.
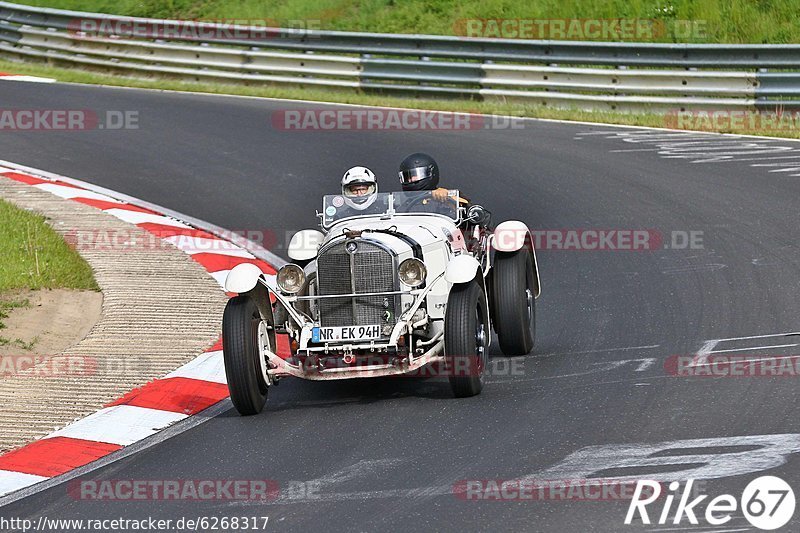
(157, 405)
(19, 77)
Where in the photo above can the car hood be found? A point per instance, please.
(421, 230)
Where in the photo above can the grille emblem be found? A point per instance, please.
(351, 247)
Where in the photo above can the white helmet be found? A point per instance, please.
(357, 178)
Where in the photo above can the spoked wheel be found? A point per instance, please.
(514, 302)
(466, 339)
(243, 335)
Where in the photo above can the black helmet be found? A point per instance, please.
(419, 172)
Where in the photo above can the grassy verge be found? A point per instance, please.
(351, 97)
(34, 257)
(712, 21)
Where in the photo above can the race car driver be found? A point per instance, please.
(359, 188)
(419, 172)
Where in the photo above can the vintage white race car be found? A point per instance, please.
(411, 283)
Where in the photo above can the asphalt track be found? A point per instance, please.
(385, 454)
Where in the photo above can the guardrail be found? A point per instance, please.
(598, 76)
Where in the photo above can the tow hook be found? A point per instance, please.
(349, 358)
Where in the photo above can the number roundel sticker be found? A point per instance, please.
(338, 201)
(768, 502)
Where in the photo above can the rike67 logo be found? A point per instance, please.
(767, 502)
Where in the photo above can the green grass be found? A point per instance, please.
(719, 21)
(351, 97)
(34, 256)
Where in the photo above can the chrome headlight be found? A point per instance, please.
(412, 272)
(291, 278)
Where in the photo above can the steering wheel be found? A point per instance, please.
(422, 200)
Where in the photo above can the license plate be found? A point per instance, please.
(346, 333)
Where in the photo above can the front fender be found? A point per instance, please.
(243, 278)
(465, 269)
(512, 236)
(462, 269)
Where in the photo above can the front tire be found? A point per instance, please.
(466, 339)
(243, 366)
(513, 301)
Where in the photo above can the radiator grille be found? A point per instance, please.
(373, 270)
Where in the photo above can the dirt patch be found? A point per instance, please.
(52, 321)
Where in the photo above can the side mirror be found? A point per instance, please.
(479, 215)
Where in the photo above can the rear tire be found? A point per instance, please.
(243, 368)
(513, 301)
(466, 339)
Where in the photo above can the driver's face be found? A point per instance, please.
(359, 190)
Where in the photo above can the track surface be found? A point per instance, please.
(385, 452)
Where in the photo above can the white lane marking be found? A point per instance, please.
(137, 217)
(13, 481)
(71, 192)
(602, 350)
(771, 451)
(711, 267)
(358, 470)
(769, 158)
(646, 363)
(207, 367)
(701, 357)
(695, 455)
(29, 79)
(750, 348)
(121, 424)
(696, 148)
(603, 366)
(768, 336)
